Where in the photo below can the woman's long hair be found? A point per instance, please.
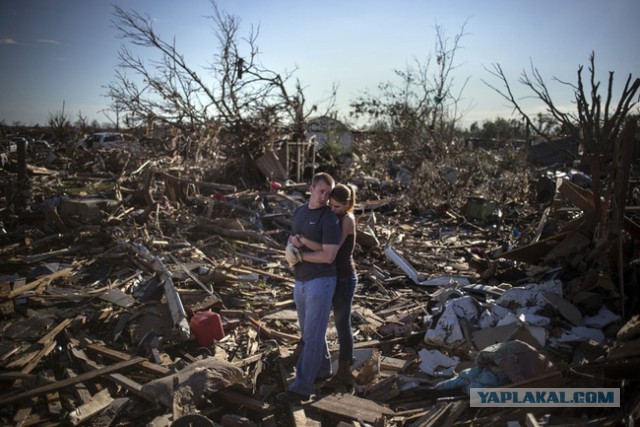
(346, 194)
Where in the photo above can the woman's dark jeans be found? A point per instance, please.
(342, 303)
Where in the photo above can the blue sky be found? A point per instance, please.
(56, 51)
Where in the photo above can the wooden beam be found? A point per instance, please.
(55, 331)
(98, 402)
(80, 391)
(298, 416)
(270, 333)
(53, 397)
(48, 348)
(42, 280)
(23, 413)
(119, 379)
(253, 404)
(353, 408)
(109, 353)
(70, 381)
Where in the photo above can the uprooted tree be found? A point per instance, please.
(232, 112)
(606, 131)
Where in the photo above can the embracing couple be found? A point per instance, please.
(320, 251)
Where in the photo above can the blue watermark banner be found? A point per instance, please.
(544, 397)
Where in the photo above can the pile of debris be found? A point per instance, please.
(169, 303)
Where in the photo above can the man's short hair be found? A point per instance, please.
(323, 176)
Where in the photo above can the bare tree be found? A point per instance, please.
(117, 108)
(605, 129)
(60, 124)
(445, 113)
(419, 112)
(412, 119)
(82, 123)
(238, 99)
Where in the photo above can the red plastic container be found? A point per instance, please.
(206, 327)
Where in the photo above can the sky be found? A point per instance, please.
(62, 53)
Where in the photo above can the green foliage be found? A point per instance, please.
(330, 151)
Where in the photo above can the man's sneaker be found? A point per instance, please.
(291, 397)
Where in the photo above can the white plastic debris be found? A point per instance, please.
(531, 295)
(581, 333)
(436, 363)
(534, 319)
(447, 332)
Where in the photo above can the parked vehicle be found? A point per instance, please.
(27, 139)
(9, 146)
(40, 145)
(102, 140)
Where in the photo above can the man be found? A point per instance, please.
(315, 283)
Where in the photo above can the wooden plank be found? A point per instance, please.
(284, 304)
(40, 281)
(444, 414)
(13, 376)
(7, 285)
(535, 251)
(434, 417)
(247, 269)
(23, 413)
(352, 408)
(392, 364)
(578, 196)
(117, 378)
(384, 390)
(109, 353)
(530, 420)
(98, 402)
(55, 331)
(255, 405)
(53, 398)
(30, 366)
(298, 416)
(70, 381)
(396, 340)
(111, 412)
(17, 349)
(193, 277)
(271, 333)
(248, 361)
(81, 392)
(6, 307)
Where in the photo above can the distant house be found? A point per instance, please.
(329, 129)
(297, 159)
(549, 153)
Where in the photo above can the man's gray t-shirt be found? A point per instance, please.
(320, 225)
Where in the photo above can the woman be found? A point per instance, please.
(342, 201)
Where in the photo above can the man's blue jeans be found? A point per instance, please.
(313, 303)
(342, 303)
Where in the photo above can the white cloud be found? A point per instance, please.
(48, 41)
(8, 41)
